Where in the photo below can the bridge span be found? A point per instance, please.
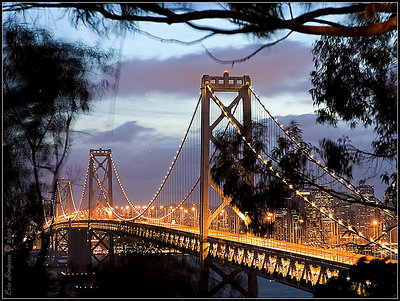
(297, 265)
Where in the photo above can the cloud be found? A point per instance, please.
(281, 68)
(125, 133)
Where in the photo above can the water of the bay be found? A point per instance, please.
(272, 289)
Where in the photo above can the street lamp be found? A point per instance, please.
(390, 242)
(185, 216)
(181, 218)
(170, 214)
(301, 221)
(194, 216)
(375, 223)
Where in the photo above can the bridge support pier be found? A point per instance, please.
(78, 248)
(252, 287)
(203, 281)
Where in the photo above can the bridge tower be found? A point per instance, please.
(64, 205)
(100, 183)
(240, 86)
(100, 199)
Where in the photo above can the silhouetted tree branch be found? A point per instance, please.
(370, 278)
(46, 86)
(256, 18)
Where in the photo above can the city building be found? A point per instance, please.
(320, 229)
(367, 219)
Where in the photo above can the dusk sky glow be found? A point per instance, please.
(144, 121)
(200, 149)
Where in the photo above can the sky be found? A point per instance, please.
(144, 121)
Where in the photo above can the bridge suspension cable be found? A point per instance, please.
(120, 184)
(266, 162)
(348, 185)
(141, 214)
(165, 179)
(83, 192)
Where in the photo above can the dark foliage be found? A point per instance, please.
(259, 19)
(252, 185)
(26, 280)
(290, 157)
(374, 278)
(47, 83)
(356, 81)
(339, 156)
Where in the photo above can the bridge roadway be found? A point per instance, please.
(339, 256)
(299, 249)
(296, 265)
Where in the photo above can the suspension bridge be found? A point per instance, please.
(189, 211)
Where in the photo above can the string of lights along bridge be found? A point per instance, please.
(188, 200)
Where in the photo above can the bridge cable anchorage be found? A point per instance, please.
(265, 162)
(349, 186)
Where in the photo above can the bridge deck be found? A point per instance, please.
(342, 257)
(299, 249)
